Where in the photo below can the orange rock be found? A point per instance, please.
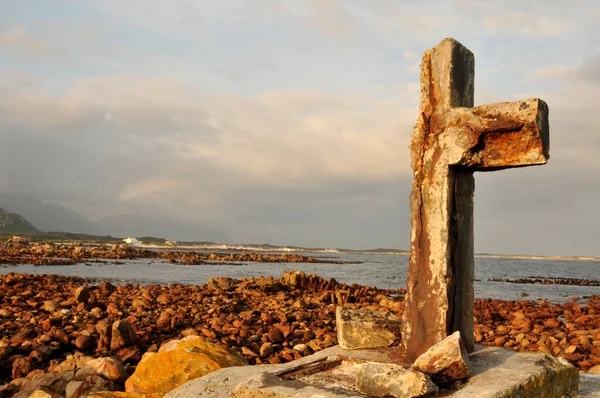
(571, 349)
(121, 394)
(177, 362)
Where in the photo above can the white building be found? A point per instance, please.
(132, 241)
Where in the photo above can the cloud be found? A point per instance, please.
(158, 142)
(527, 23)
(289, 122)
(20, 43)
(590, 70)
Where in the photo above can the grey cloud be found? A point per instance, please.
(590, 70)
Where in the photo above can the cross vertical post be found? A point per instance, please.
(451, 141)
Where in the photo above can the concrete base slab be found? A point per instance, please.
(589, 386)
(497, 372)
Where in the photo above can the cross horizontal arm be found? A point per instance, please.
(507, 134)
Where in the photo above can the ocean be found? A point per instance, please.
(386, 271)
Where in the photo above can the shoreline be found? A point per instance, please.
(44, 319)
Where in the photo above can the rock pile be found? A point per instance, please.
(570, 330)
(51, 321)
(444, 363)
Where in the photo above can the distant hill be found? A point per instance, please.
(52, 217)
(12, 223)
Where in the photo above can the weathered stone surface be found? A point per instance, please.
(589, 385)
(378, 379)
(109, 368)
(450, 141)
(92, 384)
(71, 388)
(177, 362)
(447, 359)
(8, 390)
(222, 283)
(497, 372)
(20, 368)
(51, 382)
(366, 329)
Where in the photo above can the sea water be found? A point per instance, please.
(386, 271)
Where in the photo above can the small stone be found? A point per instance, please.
(8, 390)
(50, 306)
(447, 359)
(43, 394)
(84, 373)
(276, 335)
(84, 343)
(164, 321)
(303, 349)
(387, 379)
(82, 294)
(20, 368)
(22, 336)
(108, 368)
(266, 350)
(94, 383)
(50, 382)
(123, 335)
(366, 329)
(71, 388)
(248, 352)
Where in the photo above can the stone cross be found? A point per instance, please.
(451, 140)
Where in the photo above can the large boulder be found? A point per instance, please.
(178, 361)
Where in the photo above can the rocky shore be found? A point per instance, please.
(44, 253)
(52, 324)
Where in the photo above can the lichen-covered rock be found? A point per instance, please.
(366, 329)
(177, 362)
(447, 359)
(378, 379)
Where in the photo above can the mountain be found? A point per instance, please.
(45, 216)
(12, 223)
(136, 225)
(54, 217)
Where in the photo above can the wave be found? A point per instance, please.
(274, 248)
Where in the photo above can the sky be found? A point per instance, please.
(288, 121)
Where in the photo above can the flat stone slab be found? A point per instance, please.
(363, 328)
(497, 372)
